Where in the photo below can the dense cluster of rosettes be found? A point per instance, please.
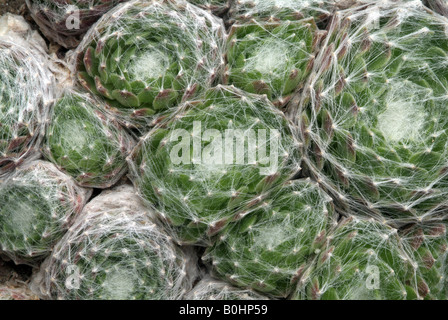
(297, 147)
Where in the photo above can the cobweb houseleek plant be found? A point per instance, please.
(429, 243)
(26, 89)
(215, 156)
(37, 205)
(270, 246)
(145, 57)
(374, 119)
(364, 259)
(271, 58)
(66, 21)
(86, 142)
(114, 251)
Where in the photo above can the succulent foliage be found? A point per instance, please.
(145, 57)
(374, 119)
(37, 205)
(270, 246)
(216, 156)
(272, 58)
(85, 142)
(26, 88)
(363, 260)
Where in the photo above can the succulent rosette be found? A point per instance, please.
(363, 260)
(66, 21)
(85, 142)
(114, 251)
(271, 58)
(26, 88)
(270, 246)
(215, 156)
(144, 57)
(37, 205)
(374, 119)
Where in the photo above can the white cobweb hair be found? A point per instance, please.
(38, 203)
(401, 122)
(209, 288)
(66, 21)
(26, 89)
(115, 251)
